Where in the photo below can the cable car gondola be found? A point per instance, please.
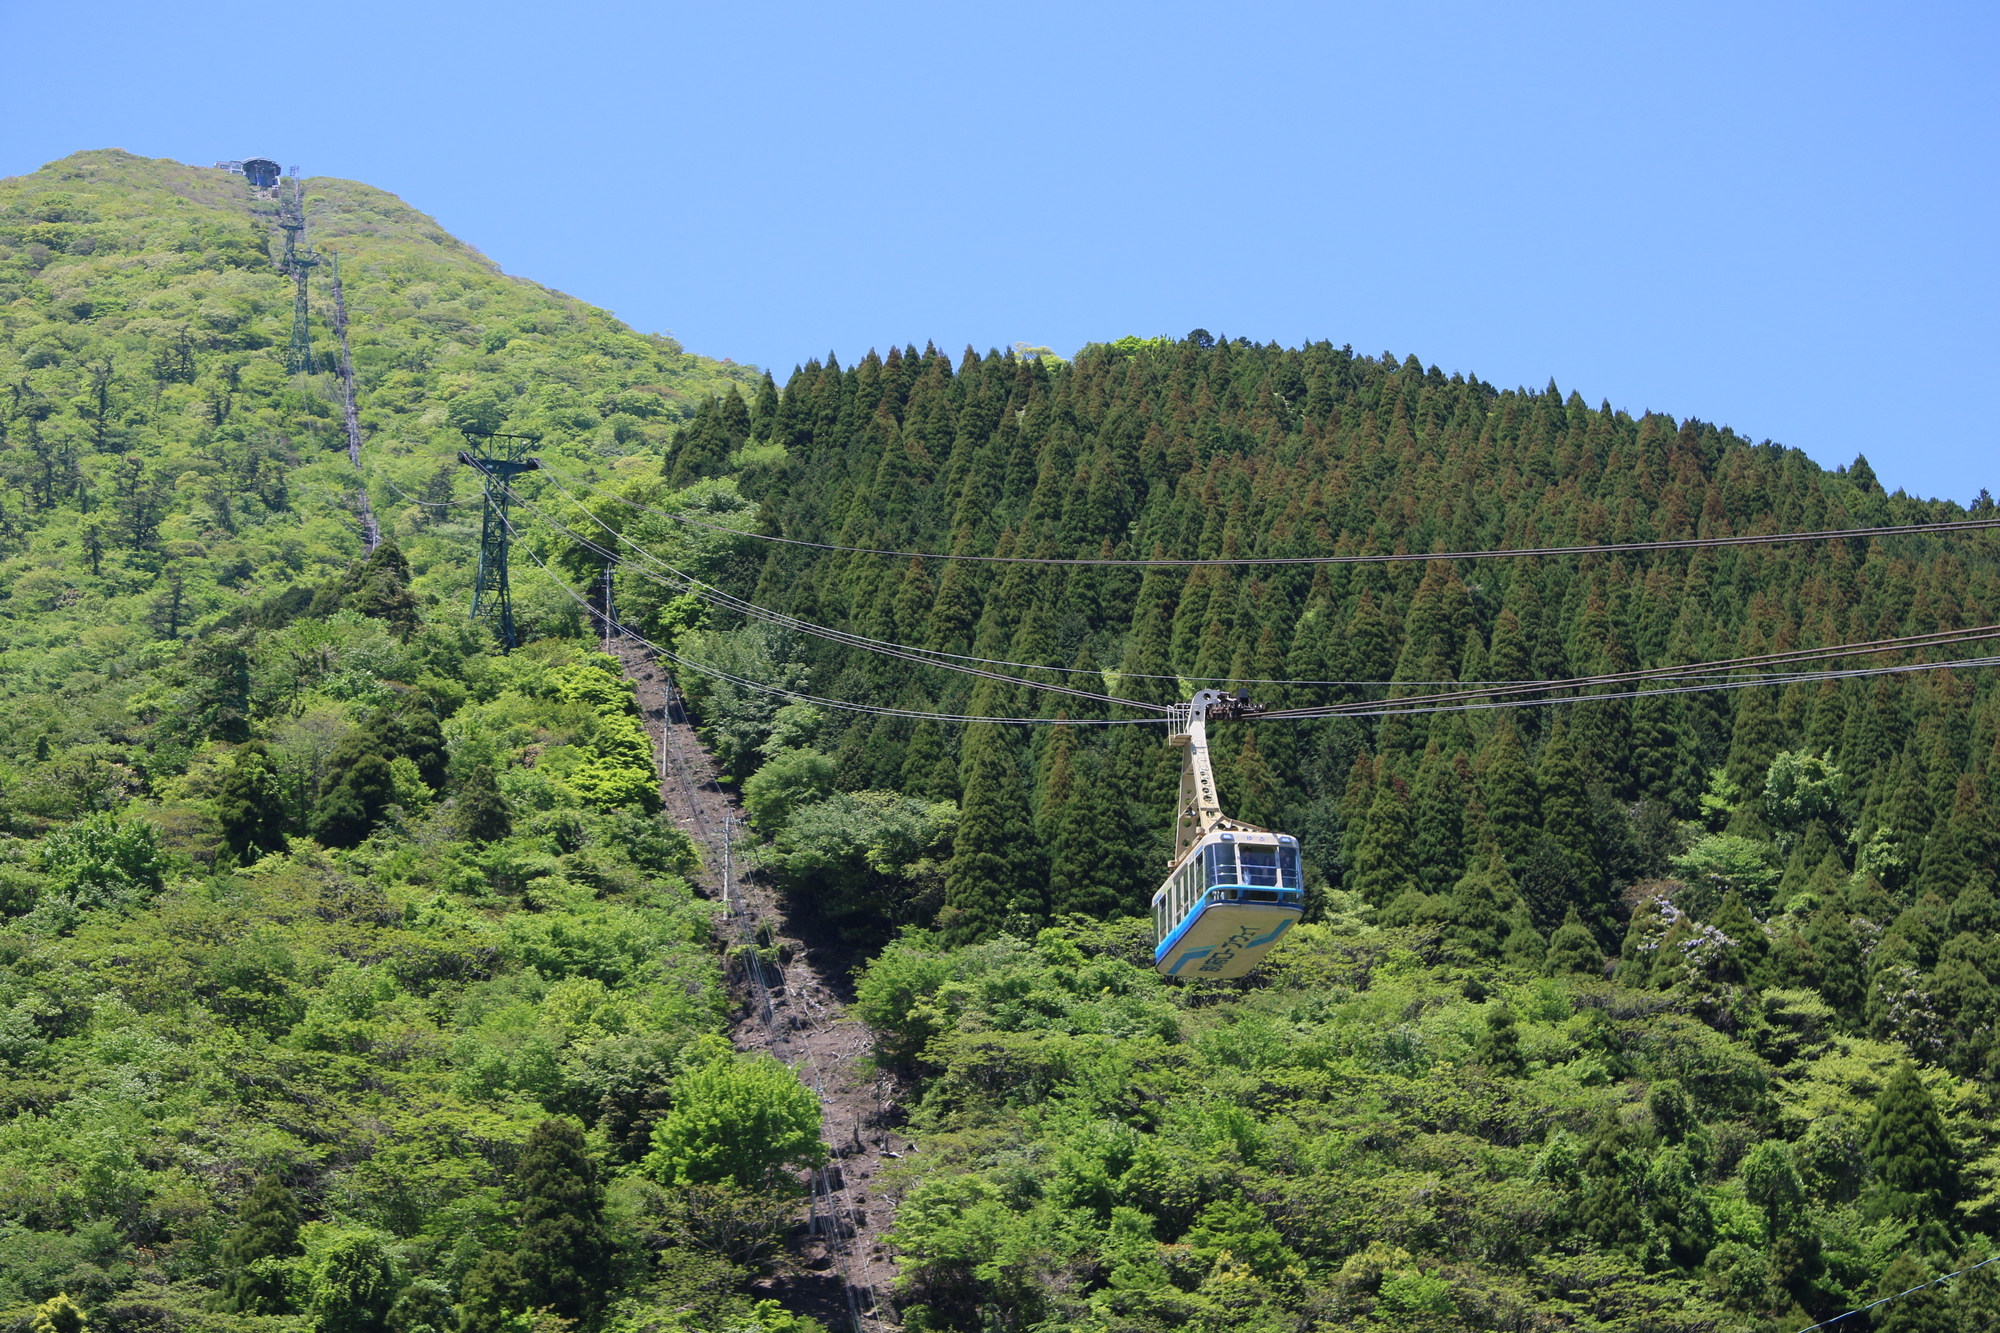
(1232, 889)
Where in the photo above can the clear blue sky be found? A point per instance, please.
(1779, 217)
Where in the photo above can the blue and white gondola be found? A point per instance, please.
(1232, 889)
(1231, 898)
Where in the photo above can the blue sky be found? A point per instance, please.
(1778, 217)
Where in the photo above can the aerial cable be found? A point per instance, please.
(1525, 553)
(717, 596)
(1936, 639)
(1454, 701)
(556, 478)
(428, 504)
(1386, 710)
(1722, 668)
(717, 673)
(1863, 1309)
(1389, 708)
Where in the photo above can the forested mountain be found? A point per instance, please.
(1618, 1014)
(350, 981)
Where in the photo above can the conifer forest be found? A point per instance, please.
(359, 975)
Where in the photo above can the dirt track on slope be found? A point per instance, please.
(792, 997)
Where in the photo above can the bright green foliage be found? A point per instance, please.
(789, 780)
(383, 1018)
(267, 1228)
(741, 1118)
(1719, 864)
(350, 1284)
(868, 861)
(1573, 950)
(564, 1253)
(101, 861)
(1799, 788)
(1909, 1149)
(58, 1314)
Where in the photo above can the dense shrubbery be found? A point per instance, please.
(1606, 1003)
(347, 970)
(346, 965)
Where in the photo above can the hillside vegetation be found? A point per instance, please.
(1667, 1012)
(328, 926)
(351, 982)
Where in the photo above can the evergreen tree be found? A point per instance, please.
(1573, 950)
(1092, 867)
(493, 1294)
(383, 589)
(1837, 971)
(1507, 786)
(217, 703)
(363, 788)
(248, 806)
(378, 586)
(482, 808)
(359, 782)
(267, 1227)
(1909, 1150)
(1976, 911)
(1499, 1048)
(1440, 819)
(1384, 861)
(1610, 1213)
(928, 771)
(564, 1251)
(995, 865)
(1926, 1309)
(1566, 807)
(1476, 910)
(1749, 952)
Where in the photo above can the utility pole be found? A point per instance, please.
(491, 596)
(371, 531)
(611, 630)
(298, 260)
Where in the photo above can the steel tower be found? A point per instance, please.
(492, 598)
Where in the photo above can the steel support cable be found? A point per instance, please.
(729, 601)
(1690, 671)
(428, 504)
(1533, 552)
(1908, 643)
(1863, 1309)
(1711, 687)
(1392, 709)
(1727, 668)
(877, 710)
(751, 610)
(922, 656)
